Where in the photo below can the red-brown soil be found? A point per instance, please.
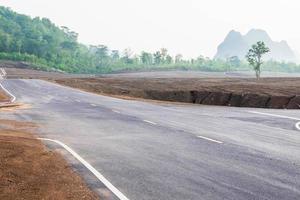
(3, 96)
(242, 92)
(238, 89)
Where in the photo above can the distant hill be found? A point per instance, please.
(236, 44)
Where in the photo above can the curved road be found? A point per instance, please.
(164, 151)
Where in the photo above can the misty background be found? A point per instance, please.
(189, 27)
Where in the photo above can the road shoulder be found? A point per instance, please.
(28, 170)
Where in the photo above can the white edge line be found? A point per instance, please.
(13, 98)
(110, 186)
(297, 125)
(274, 115)
(147, 121)
(3, 71)
(209, 139)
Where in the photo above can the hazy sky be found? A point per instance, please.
(190, 27)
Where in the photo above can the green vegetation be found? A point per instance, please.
(254, 56)
(40, 42)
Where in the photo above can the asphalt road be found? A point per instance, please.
(162, 151)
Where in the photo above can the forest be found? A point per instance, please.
(48, 47)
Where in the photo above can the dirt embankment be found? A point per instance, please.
(239, 92)
(29, 171)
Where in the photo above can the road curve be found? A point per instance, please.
(169, 151)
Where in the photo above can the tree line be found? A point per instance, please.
(49, 47)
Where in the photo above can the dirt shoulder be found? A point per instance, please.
(240, 92)
(3, 96)
(29, 171)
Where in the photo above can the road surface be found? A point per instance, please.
(164, 151)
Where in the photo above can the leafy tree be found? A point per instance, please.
(164, 54)
(254, 56)
(178, 58)
(233, 62)
(169, 59)
(102, 51)
(115, 54)
(157, 57)
(127, 56)
(146, 58)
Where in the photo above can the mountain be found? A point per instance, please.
(233, 45)
(236, 44)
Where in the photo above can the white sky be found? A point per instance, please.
(190, 27)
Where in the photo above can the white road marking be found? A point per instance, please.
(147, 121)
(274, 115)
(297, 126)
(77, 100)
(3, 72)
(115, 111)
(13, 98)
(110, 186)
(93, 105)
(209, 139)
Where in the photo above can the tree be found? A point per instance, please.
(101, 53)
(233, 61)
(127, 53)
(115, 55)
(163, 53)
(157, 57)
(178, 58)
(146, 58)
(169, 59)
(254, 56)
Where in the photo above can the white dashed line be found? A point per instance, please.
(77, 101)
(110, 186)
(115, 111)
(147, 121)
(94, 105)
(209, 139)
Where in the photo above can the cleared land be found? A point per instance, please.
(240, 89)
(29, 171)
(243, 92)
